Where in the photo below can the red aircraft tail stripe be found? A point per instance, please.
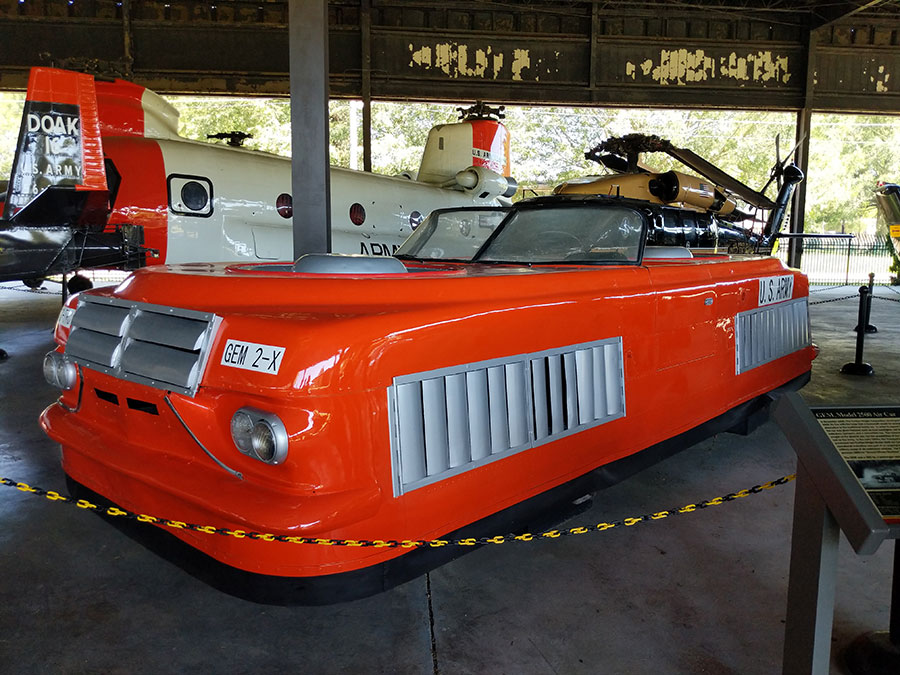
(92, 146)
(490, 146)
(121, 108)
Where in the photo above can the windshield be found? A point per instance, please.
(582, 232)
(452, 234)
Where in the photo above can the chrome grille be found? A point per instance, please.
(448, 421)
(163, 347)
(768, 333)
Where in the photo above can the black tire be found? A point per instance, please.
(34, 282)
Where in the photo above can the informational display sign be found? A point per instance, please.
(848, 480)
(868, 439)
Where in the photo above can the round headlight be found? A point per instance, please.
(263, 440)
(66, 374)
(50, 369)
(260, 435)
(241, 428)
(59, 372)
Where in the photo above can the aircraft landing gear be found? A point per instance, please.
(34, 282)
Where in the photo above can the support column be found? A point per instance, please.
(798, 209)
(365, 28)
(593, 76)
(127, 40)
(802, 134)
(310, 175)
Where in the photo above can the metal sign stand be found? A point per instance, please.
(830, 498)
(879, 651)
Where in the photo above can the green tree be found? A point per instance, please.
(267, 120)
(549, 143)
(10, 119)
(849, 156)
(399, 132)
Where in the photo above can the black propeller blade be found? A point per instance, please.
(778, 169)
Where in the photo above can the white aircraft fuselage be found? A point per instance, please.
(99, 161)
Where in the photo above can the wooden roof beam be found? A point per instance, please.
(831, 13)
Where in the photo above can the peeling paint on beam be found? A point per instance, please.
(844, 72)
(456, 59)
(880, 79)
(682, 67)
(881, 84)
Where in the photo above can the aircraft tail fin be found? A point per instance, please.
(478, 139)
(471, 154)
(58, 168)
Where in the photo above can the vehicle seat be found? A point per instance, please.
(334, 263)
(667, 252)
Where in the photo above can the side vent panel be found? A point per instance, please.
(448, 421)
(163, 347)
(768, 333)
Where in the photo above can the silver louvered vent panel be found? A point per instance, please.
(179, 332)
(107, 319)
(768, 333)
(90, 346)
(447, 421)
(160, 363)
(163, 347)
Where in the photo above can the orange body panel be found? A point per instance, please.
(141, 198)
(346, 339)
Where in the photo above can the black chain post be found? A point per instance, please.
(858, 367)
(869, 327)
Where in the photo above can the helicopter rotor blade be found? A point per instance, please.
(793, 150)
(778, 168)
(705, 168)
(618, 164)
(778, 160)
(628, 148)
(614, 163)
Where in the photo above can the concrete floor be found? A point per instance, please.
(697, 593)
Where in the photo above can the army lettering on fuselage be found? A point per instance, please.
(58, 124)
(49, 152)
(775, 289)
(374, 248)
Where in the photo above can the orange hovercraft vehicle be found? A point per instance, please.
(507, 361)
